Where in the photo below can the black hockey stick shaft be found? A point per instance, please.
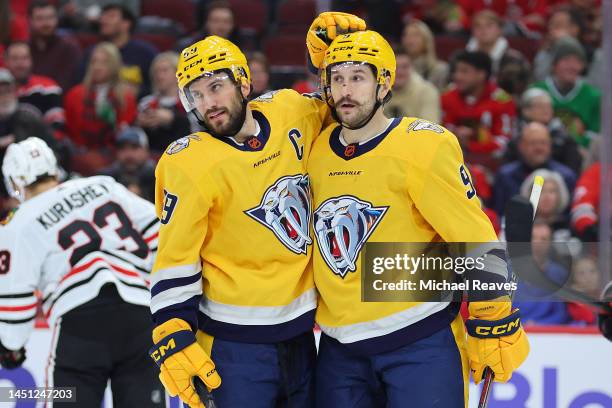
(205, 395)
(521, 210)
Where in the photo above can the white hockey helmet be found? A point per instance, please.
(24, 163)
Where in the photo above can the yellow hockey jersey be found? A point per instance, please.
(407, 184)
(234, 242)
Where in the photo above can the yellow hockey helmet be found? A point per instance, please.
(206, 57)
(367, 47)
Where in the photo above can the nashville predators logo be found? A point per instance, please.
(285, 209)
(342, 226)
(181, 144)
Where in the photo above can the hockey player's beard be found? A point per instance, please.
(361, 115)
(236, 114)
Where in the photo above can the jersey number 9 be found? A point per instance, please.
(465, 178)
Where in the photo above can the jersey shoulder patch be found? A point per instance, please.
(267, 97)
(181, 144)
(422, 124)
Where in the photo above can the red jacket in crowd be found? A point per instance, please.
(490, 117)
(94, 126)
(585, 207)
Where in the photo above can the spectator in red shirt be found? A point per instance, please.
(54, 56)
(97, 108)
(585, 207)
(476, 110)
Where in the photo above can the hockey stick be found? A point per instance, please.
(205, 395)
(489, 376)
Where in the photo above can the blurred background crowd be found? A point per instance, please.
(518, 82)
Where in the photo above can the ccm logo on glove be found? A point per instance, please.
(170, 345)
(490, 329)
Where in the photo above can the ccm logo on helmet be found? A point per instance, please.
(162, 350)
(348, 47)
(499, 330)
(193, 64)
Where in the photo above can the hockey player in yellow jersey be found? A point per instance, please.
(232, 282)
(376, 179)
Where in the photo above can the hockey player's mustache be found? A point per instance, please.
(346, 100)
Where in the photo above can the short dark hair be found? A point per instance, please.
(126, 13)
(36, 4)
(477, 59)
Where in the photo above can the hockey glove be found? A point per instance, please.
(496, 339)
(325, 28)
(10, 359)
(181, 358)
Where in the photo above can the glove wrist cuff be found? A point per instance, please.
(488, 329)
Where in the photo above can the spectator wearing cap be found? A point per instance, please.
(534, 148)
(161, 114)
(575, 102)
(42, 94)
(116, 25)
(218, 19)
(419, 44)
(133, 167)
(54, 56)
(98, 108)
(17, 123)
(412, 95)
(475, 109)
(536, 106)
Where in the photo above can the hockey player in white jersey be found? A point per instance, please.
(87, 245)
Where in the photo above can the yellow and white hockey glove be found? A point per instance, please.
(325, 28)
(180, 358)
(496, 339)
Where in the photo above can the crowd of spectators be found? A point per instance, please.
(516, 81)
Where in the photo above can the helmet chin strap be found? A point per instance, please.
(364, 122)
